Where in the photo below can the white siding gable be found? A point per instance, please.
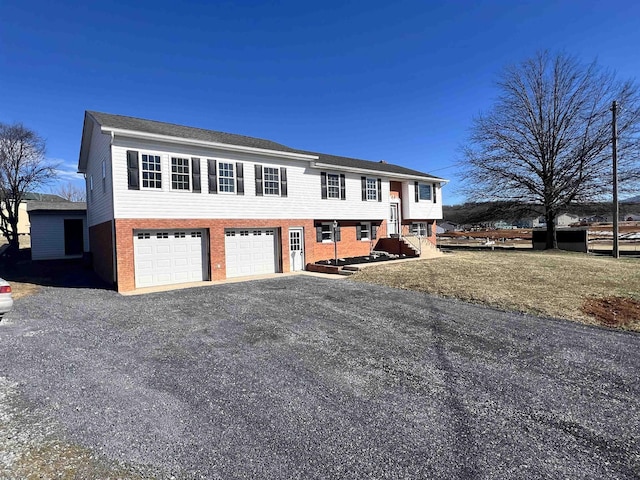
(99, 199)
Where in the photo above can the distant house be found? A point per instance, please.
(58, 230)
(24, 227)
(447, 227)
(562, 220)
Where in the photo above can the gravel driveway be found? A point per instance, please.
(303, 377)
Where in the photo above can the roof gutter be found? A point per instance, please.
(402, 176)
(204, 143)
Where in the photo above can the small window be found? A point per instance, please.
(226, 179)
(257, 232)
(333, 185)
(162, 235)
(269, 232)
(144, 236)
(271, 181)
(327, 232)
(419, 229)
(244, 233)
(198, 234)
(180, 173)
(91, 183)
(372, 189)
(104, 169)
(424, 191)
(151, 175)
(179, 235)
(230, 233)
(365, 231)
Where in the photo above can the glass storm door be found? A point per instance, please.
(296, 249)
(393, 220)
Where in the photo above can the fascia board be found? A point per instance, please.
(204, 143)
(401, 176)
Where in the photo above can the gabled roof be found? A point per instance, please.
(119, 122)
(42, 197)
(65, 206)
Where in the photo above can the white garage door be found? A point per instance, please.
(250, 251)
(163, 257)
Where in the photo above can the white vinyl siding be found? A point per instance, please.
(47, 236)
(423, 209)
(302, 202)
(100, 206)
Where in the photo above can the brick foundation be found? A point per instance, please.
(101, 246)
(349, 245)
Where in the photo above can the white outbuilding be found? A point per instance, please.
(58, 230)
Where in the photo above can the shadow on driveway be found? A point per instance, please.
(53, 273)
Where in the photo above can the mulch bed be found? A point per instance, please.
(617, 312)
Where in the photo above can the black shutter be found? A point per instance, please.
(364, 187)
(379, 190)
(434, 193)
(132, 170)
(417, 191)
(195, 174)
(283, 181)
(358, 232)
(374, 232)
(258, 170)
(323, 184)
(319, 233)
(343, 188)
(338, 233)
(213, 176)
(239, 178)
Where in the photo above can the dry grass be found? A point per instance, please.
(20, 290)
(547, 283)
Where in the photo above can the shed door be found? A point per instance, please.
(73, 237)
(163, 257)
(250, 251)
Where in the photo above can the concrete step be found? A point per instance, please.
(346, 272)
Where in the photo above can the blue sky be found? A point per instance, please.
(399, 81)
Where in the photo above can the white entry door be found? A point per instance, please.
(250, 251)
(393, 220)
(296, 249)
(163, 257)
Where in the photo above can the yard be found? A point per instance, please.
(589, 289)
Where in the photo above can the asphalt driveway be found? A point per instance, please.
(303, 377)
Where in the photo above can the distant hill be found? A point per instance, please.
(635, 199)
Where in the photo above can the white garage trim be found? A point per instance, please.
(164, 257)
(250, 251)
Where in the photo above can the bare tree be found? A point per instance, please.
(547, 139)
(70, 191)
(23, 167)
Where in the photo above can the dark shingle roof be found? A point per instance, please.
(57, 206)
(180, 131)
(42, 197)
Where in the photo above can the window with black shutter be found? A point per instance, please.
(212, 166)
(195, 175)
(132, 170)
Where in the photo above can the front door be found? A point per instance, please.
(296, 249)
(393, 220)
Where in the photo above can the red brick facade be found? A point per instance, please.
(348, 246)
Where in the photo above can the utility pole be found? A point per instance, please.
(616, 212)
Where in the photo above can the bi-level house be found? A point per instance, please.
(169, 204)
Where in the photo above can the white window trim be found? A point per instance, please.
(375, 188)
(430, 199)
(337, 175)
(330, 225)
(264, 182)
(162, 175)
(182, 157)
(233, 177)
(368, 230)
